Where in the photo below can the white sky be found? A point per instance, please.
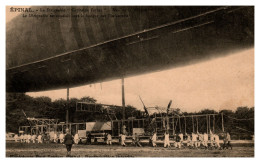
(220, 83)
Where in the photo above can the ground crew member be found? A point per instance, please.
(227, 141)
(216, 139)
(154, 137)
(55, 138)
(205, 139)
(123, 137)
(25, 138)
(189, 142)
(16, 138)
(88, 138)
(39, 138)
(61, 138)
(22, 138)
(109, 139)
(167, 140)
(211, 139)
(136, 140)
(200, 139)
(181, 138)
(68, 141)
(194, 140)
(76, 138)
(178, 141)
(33, 138)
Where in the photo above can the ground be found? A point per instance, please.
(58, 150)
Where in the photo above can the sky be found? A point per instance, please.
(221, 83)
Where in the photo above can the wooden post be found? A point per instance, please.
(128, 126)
(123, 97)
(192, 124)
(67, 109)
(118, 122)
(213, 123)
(185, 124)
(222, 122)
(42, 129)
(173, 129)
(180, 123)
(197, 124)
(207, 124)
(77, 128)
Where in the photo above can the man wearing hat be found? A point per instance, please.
(68, 141)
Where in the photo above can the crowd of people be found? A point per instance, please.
(57, 137)
(179, 140)
(193, 140)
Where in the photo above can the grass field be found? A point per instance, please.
(58, 150)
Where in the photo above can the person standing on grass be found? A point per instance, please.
(16, 138)
(29, 138)
(76, 138)
(227, 141)
(154, 137)
(33, 138)
(109, 139)
(21, 138)
(68, 141)
(205, 140)
(216, 140)
(122, 137)
(167, 140)
(61, 137)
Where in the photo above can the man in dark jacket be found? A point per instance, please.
(68, 141)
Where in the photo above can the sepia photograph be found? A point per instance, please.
(130, 81)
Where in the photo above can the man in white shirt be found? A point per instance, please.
(76, 138)
(16, 138)
(61, 137)
(189, 142)
(29, 138)
(33, 138)
(39, 138)
(25, 138)
(211, 139)
(181, 138)
(216, 139)
(167, 140)
(55, 138)
(205, 139)
(194, 140)
(154, 137)
(123, 137)
(22, 138)
(109, 139)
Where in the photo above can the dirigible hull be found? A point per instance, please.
(83, 45)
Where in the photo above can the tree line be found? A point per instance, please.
(239, 122)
